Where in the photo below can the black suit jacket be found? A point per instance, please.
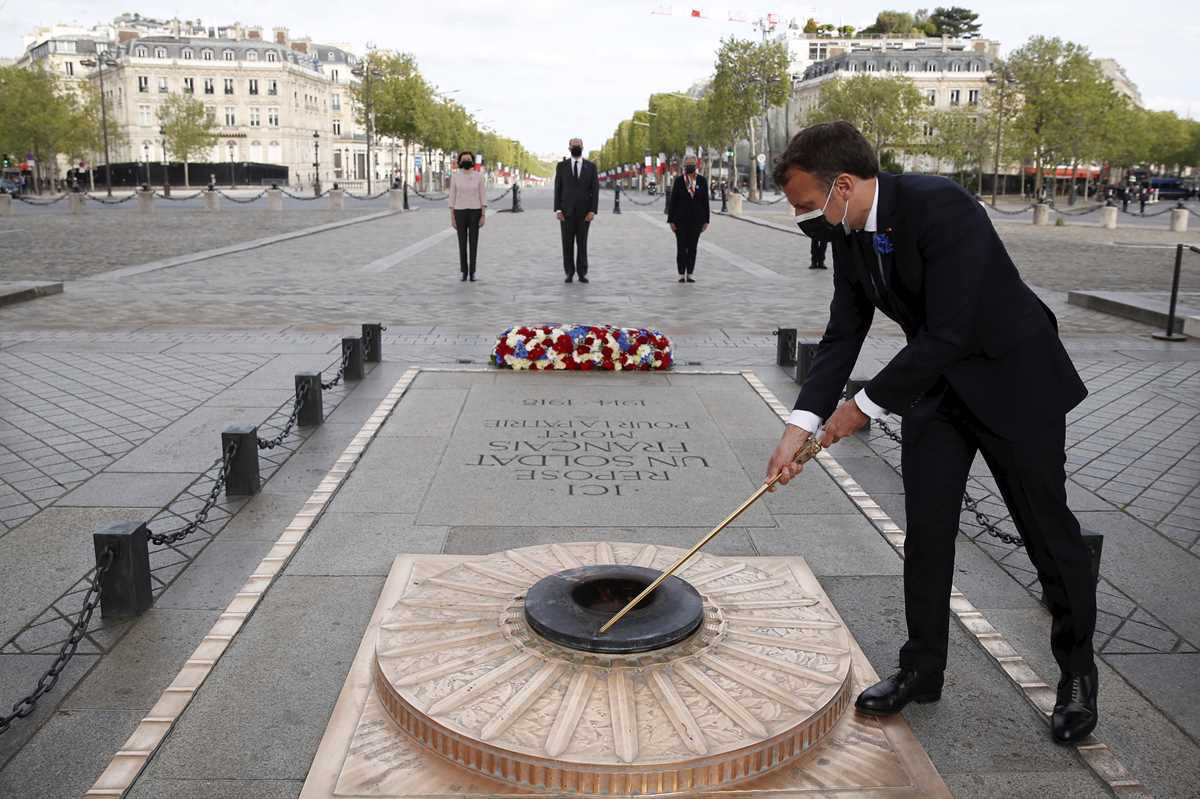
(576, 197)
(685, 210)
(968, 317)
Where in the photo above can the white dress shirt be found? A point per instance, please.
(807, 420)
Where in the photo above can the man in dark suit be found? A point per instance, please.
(688, 214)
(576, 198)
(983, 371)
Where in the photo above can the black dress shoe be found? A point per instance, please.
(582, 279)
(1075, 714)
(690, 279)
(818, 265)
(681, 279)
(464, 277)
(570, 279)
(891, 695)
(472, 278)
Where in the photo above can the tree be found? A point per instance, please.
(749, 78)
(37, 117)
(892, 23)
(846, 31)
(886, 109)
(187, 128)
(91, 139)
(401, 99)
(959, 140)
(956, 22)
(810, 26)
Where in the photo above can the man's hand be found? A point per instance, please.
(781, 459)
(705, 228)
(589, 217)
(845, 421)
(561, 216)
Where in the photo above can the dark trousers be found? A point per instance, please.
(940, 439)
(687, 241)
(467, 221)
(574, 241)
(817, 250)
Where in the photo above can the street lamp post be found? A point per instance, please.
(166, 163)
(316, 137)
(365, 71)
(1002, 83)
(101, 61)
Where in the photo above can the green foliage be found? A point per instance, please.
(810, 26)
(892, 23)
(955, 21)
(887, 109)
(37, 116)
(187, 127)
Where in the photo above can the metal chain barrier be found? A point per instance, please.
(970, 504)
(500, 196)
(209, 504)
(627, 198)
(106, 201)
(778, 199)
(272, 443)
(28, 201)
(186, 197)
(341, 371)
(999, 210)
(424, 196)
(91, 601)
(353, 196)
(287, 193)
(1077, 213)
(261, 194)
(1147, 216)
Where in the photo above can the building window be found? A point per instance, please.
(189, 85)
(337, 127)
(143, 83)
(931, 66)
(272, 117)
(956, 66)
(256, 151)
(254, 118)
(162, 86)
(337, 102)
(143, 115)
(872, 66)
(252, 55)
(329, 56)
(973, 97)
(208, 86)
(187, 54)
(230, 116)
(912, 66)
(141, 52)
(206, 55)
(272, 87)
(229, 85)
(227, 55)
(254, 85)
(928, 131)
(334, 75)
(160, 52)
(273, 152)
(931, 96)
(272, 56)
(70, 68)
(211, 113)
(955, 96)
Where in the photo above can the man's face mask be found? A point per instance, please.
(690, 169)
(814, 224)
(576, 151)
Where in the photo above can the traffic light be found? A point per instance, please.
(7, 162)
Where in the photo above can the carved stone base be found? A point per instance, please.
(452, 694)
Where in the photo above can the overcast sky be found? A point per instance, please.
(544, 71)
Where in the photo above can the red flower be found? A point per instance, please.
(524, 332)
(536, 353)
(585, 366)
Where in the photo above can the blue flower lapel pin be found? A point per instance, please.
(883, 242)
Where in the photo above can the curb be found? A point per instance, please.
(17, 291)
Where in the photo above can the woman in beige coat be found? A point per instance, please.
(468, 210)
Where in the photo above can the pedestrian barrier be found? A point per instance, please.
(652, 201)
(31, 201)
(430, 197)
(999, 210)
(245, 200)
(1147, 216)
(173, 198)
(120, 584)
(302, 197)
(500, 196)
(109, 200)
(1170, 334)
(353, 196)
(1082, 212)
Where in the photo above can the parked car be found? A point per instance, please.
(1170, 188)
(9, 186)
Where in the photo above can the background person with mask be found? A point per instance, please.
(576, 198)
(688, 215)
(468, 210)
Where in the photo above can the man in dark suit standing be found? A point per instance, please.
(688, 214)
(576, 198)
(983, 371)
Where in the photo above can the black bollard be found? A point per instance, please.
(617, 199)
(406, 195)
(785, 346)
(313, 411)
(1170, 334)
(853, 386)
(125, 587)
(517, 209)
(806, 353)
(724, 206)
(372, 337)
(354, 364)
(242, 478)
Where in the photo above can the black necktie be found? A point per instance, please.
(577, 170)
(866, 247)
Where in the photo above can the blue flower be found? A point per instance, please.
(578, 333)
(883, 243)
(520, 350)
(623, 341)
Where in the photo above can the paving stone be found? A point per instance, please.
(128, 490)
(215, 789)
(67, 755)
(992, 785)
(831, 544)
(191, 444)
(363, 543)
(217, 573)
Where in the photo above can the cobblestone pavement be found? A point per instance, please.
(147, 368)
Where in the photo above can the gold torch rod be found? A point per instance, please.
(805, 453)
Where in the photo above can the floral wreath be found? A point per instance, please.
(582, 347)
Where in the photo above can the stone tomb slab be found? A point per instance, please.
(365, 753)
(571, 453)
